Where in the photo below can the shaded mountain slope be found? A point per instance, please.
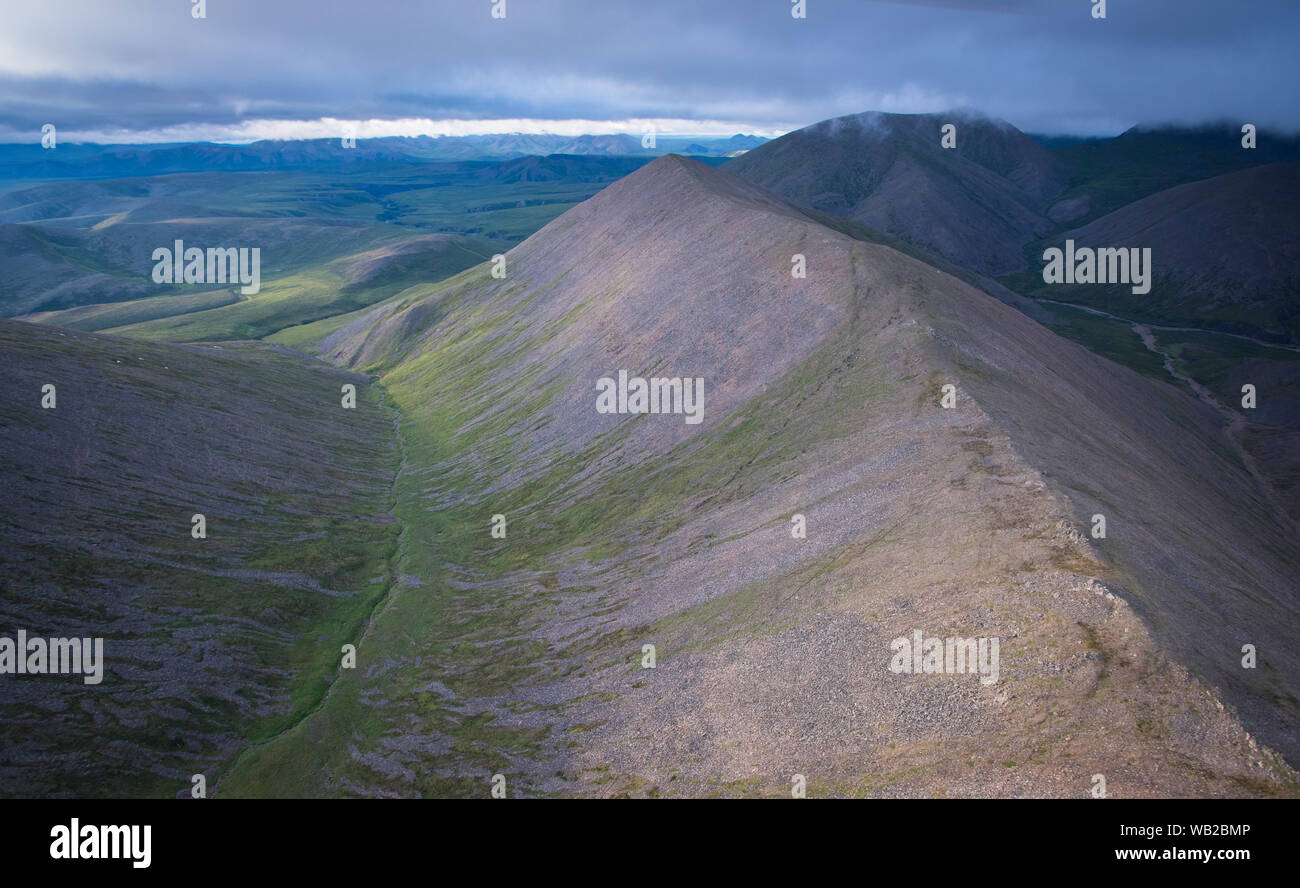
(524, 655)
(208, 643)
(40, 266)
(976, 205)
(1226, 252)
(1106, 174)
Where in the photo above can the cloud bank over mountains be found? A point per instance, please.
(149, 71)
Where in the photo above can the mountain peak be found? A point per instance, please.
(672, 183)
(975, 200)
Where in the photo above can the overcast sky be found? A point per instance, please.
(147, 70)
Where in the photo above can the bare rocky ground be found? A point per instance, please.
(523, 656)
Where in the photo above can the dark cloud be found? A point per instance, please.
(1045, 65)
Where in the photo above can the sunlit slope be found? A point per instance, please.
(336, 286)
(523, 656)
(209, 643)
(49, 269)
(1206, 553)
(70, 244)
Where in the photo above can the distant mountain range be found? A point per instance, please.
(84, 161)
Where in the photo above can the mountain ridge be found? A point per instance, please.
(676, 532)
(522, 653)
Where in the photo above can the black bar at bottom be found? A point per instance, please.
(335, 840)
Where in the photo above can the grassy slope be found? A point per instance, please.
(478, 636)
(104, 315)
(97, 237)
(515, 655)
(303, 298)
(458, 673)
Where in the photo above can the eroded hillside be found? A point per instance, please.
(525, 655)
